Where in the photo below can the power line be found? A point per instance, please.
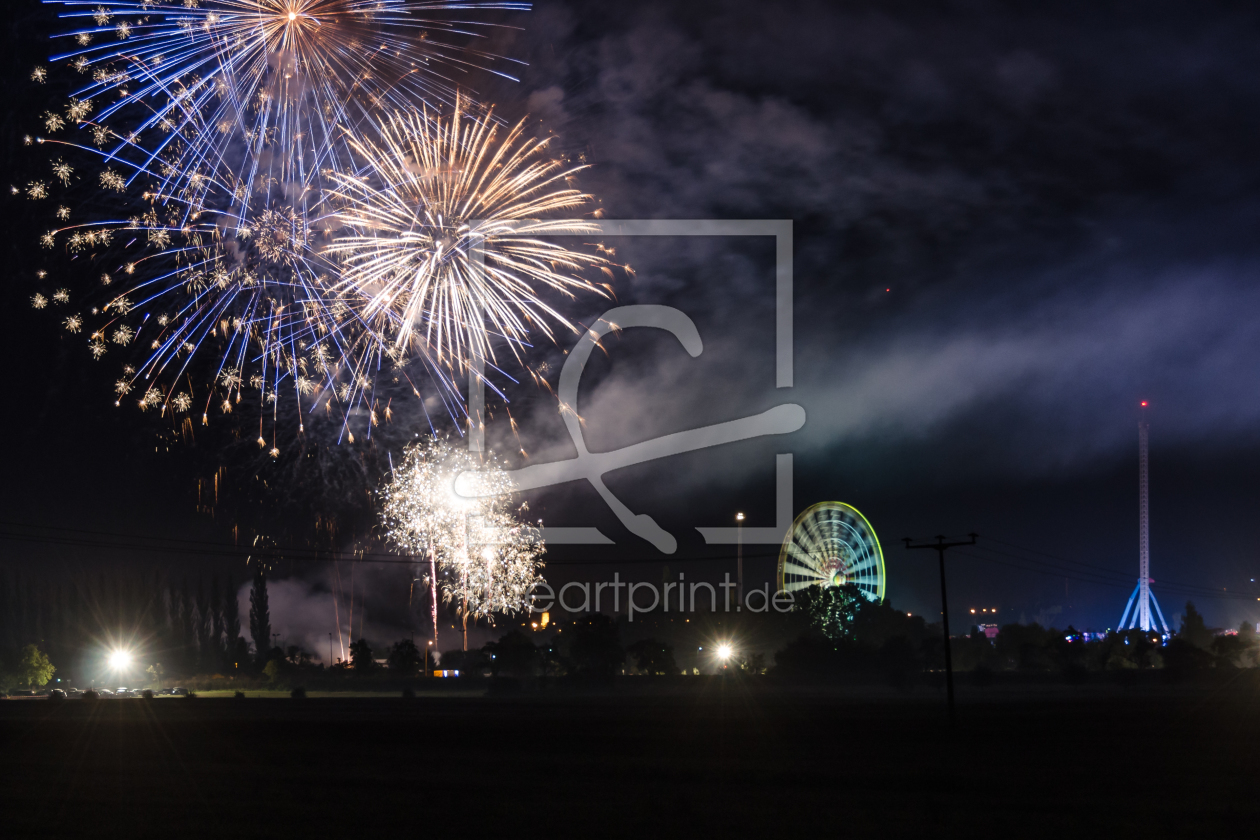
(1121, 576)
(1100, 577)
(106, 540)
(189, 547)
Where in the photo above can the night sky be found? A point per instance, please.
(1012, 223)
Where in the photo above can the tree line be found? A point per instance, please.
(191, 624)
(849, 635)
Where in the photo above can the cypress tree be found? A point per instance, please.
(204, 656)
(8, 639)
(231, 623)
(216, 621)
(259, 614)
(157, 607)
(187, 641)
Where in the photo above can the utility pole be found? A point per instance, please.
(739, 562)
(940, 545)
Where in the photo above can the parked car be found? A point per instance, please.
(179, 692)
(56, 694)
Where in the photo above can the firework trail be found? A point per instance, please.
(440, 232)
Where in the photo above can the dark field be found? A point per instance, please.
(710, 758)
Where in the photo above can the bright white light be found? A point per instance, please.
(724, 651)
(292, 15)
(119, 660)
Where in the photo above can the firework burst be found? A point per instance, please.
(261, 235)
(441, 241)
(247, 89)
(490, 559)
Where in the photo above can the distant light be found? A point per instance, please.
(724, 651)
(1143, 403)
(739, 517)
(292, 15)
(119, 660)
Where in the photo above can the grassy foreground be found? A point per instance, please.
(271, 693)
(712, 758)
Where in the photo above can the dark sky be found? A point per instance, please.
(1012, 223)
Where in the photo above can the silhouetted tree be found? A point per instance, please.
(1023, 646)
(594, 648)
(172, 613)
(361, 657)
(467, 662)
(259, 614)
(1193, 630)
(187, 632)
(654, 657)
(232, 626)
(205, 658)
(513, 655)
(216, 622)
(810, 655)
(8, 611)
(405, 659)
(157, 605)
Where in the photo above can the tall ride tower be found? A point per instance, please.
(1141, 617)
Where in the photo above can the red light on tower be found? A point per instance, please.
(1143, 403)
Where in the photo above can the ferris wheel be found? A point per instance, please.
(831, 544)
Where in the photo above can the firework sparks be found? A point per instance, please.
(236, 77)
(440, 245)
(217, 125)
(491, 561)
(231, 139)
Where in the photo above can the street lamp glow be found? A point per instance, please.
(119, 660)
(724, 652)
